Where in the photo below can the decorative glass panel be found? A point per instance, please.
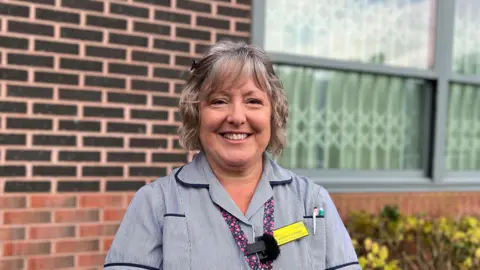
(348, 120)
(463, 128)
(466, 45)
(391, 32)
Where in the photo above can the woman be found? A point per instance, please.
(221, 210)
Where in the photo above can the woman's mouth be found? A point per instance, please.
(235, 136)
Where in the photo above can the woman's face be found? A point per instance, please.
(235, 125)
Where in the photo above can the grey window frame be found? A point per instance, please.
(434, 176)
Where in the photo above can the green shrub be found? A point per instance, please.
(391, 240)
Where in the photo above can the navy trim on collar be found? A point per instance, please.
(282, 182)
(189, 184)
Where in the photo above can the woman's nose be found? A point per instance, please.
(236, 114)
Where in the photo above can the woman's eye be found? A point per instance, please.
(218, 102)
(255, 101)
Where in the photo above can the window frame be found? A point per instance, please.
(434, 176)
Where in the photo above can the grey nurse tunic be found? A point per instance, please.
(175, 223)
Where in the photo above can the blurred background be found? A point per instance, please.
(383, 99)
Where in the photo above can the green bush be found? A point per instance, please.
(392, 240)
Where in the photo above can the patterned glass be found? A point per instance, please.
(466, 44)
(390, 32)
(349, 120)
(463, 128)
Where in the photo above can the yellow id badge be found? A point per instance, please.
(290, 232)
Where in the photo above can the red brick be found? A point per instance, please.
(91, 259)
(52, 232)
(113, 214)
(12, 202)
(70, 246)
(12, 234)
(107, 243)
(98, 230)
(52, 201)
(26, 217)
(101, 201)
(74, 216)
(22, 249)
(9, 264)
(50, 262)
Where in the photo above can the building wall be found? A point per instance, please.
(88, 114)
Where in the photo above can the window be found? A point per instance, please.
(382, 93)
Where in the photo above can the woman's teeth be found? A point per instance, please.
(235, 137)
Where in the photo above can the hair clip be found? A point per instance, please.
(195, 65)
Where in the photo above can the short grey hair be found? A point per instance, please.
(228, 63)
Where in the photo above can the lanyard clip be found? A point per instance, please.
(265, 247)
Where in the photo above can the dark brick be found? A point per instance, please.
(148, 143)
(127, 69)
(84, 4)
(54, 170)
(13, 139)
(125, 157)
(12, 170)
(103, 141)
(58, 16)
(78, 156)
(26, 123)
(214, 23)
(14, 10)
(54, 109)
(179, 88)
(150, 85)
(78, 186)
(82, 95)
(127, 98)
(148, 114)
(242, 27)
(169, 157)
(233, 12)
(80, 125)
(169, 73)
(13, 42)
(13, 74)
(27, 186)
(163, 129)
(172, 17)
(231, 37)
(171, 45)
(126, 128)
(165, 101)
(80, 34)
(165, 3)
(54, 140)
(195, 6)
(176, 144)
(184, 61)
(89, 111)
(245, 2)
(56, 47)
(102, 171)
(178, 117)
(30, 28)
(152, 28)
(124, 185)
(128, 40)
(30, 60)
(106, 52)
(106, 22)
(128, 10)
(194, 34)
(13, 107)
(104, 82)
(147, 171)
(56, 78)
(201, 49)
(66, 63)
(150, 57)
(28, 91)
(45, 2)
(30, 155)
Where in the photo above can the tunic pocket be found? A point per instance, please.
(316, 242)
(176, 243)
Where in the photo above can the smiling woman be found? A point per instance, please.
(232, 207)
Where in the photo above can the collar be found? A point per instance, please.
(199, 174)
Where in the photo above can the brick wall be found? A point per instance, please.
(88, 114)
